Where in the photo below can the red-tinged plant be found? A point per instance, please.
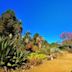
(66, 35)
(67, 38)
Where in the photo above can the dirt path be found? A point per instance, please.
(62, 64)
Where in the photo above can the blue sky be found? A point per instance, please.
(47, 17)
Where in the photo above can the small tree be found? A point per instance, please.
(67, 38)
(66, 35)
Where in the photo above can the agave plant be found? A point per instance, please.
(10, 56)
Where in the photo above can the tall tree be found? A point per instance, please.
(9, 24)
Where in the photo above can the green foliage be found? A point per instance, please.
(35, 37)
(36, 58)
(36, 55)
(9, 55)
(54, 45)
(45, 51)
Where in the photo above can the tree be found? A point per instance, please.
(54, 44)
(67, 38)
(66, 35)
(9, 24)
(27, 37)
(36, 35)
(45, 44)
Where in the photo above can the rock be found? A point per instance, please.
(50, 57)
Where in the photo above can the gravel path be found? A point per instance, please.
(61, 64)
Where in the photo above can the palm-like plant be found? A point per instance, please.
(45, 44)
(27, 37)
(36, 35)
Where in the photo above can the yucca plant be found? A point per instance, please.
(10, 56)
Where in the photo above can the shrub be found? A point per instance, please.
(45, 51)
(36, 58)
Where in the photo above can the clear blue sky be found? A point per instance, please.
(48, 17)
